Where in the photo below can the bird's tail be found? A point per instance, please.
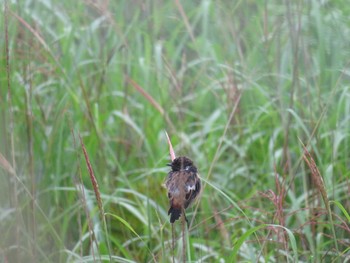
(174, 214)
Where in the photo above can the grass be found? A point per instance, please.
(256, 93)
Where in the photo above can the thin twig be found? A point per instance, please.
(173, 241)
(183, 221)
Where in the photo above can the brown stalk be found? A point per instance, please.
(81, 191)
(92, 178)
(97, 193)
(6, 165)
(316, 176)
(146, 95)
(32, 30)
(78, 183)
(278, 199)
(184, 17)
(183, 222)
(151, 100)
(318, 180)
(173, 242)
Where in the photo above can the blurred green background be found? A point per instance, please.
(240, 87)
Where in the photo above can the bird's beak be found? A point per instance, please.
(168, 164)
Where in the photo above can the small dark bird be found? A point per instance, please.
(183, 185)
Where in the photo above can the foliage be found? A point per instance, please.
(255, 92)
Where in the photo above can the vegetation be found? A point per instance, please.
(256, 93)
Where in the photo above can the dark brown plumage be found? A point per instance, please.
(183, 185)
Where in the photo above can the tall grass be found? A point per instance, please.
(240, 86)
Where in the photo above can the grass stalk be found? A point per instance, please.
(11, 127)
(97, 195)
(317, 177)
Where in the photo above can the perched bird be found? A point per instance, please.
(183, 185)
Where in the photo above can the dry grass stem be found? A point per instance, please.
(317, 178)
(6, 165)
(171, 149)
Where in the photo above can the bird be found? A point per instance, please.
(183, 185)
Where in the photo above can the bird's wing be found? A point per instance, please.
(192, 188)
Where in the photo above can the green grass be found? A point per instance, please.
(240, 87)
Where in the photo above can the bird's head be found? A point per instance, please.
(182, 163)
